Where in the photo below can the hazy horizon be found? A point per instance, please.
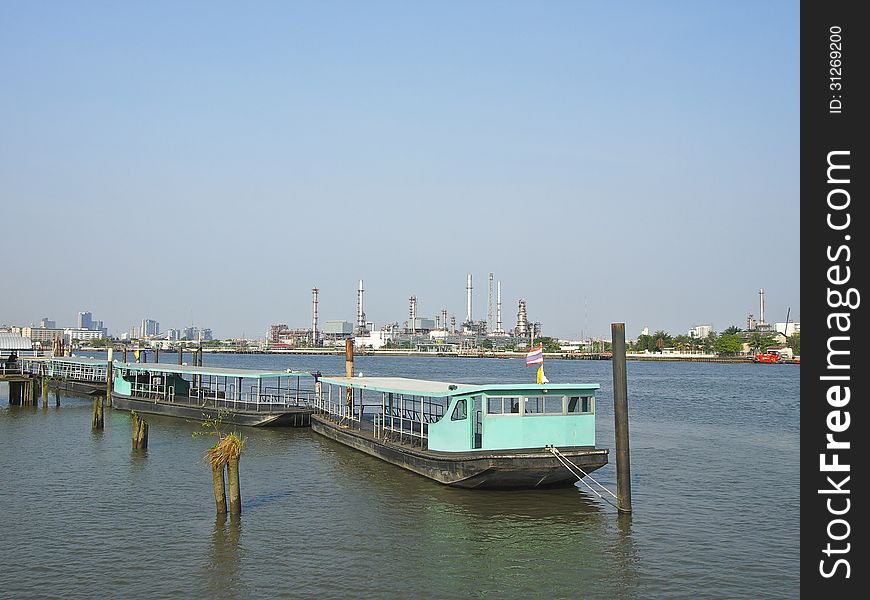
(210, 163)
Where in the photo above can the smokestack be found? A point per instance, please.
(412, 310)
(498, 308)
(360, 315)
(444, 318)
(314, 316)
(489, 306)
(761, 306)
(468, 289)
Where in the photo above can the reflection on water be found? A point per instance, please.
(224, 558)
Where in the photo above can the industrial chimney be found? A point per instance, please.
(489, 306)
(468, 289)
(314, 291)
(498, 308)
(360, 314)
(761, 306)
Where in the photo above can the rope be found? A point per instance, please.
(566, 462)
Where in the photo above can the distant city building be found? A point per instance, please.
(787, 329)
(196, 334)
(46, 323)
(644, 331)
(42, 335)
(699, 332)
(82, 334)
(84, 320)
(148, 328)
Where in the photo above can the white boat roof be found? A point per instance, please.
(215, 371)
(425, 387)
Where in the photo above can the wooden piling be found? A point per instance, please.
(139, 431)
(235, 492)
(157, 354)
(180, 355)
(124, 354)
(97, 421)
(225, 454)
(620, 419)
(220, 494)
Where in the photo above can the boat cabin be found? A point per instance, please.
(240, 389)
(450, 417)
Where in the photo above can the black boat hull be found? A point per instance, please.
(485, 469)
(290, 417)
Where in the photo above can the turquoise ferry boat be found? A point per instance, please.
(236, 396)
(471, 436)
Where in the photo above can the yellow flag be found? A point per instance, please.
(136, 354)
(542, 379)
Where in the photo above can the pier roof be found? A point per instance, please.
(214, 371)
(424, 387)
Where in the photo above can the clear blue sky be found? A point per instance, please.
(210, 162)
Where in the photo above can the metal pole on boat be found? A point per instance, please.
(109, 378)
(348, 371)
(620, 419)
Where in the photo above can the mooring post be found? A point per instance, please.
(97, 421)
(157, 354)
(140, 431)
(180, 355)
(220, 494)
(620, 419)
(235, 490)
(124, 354)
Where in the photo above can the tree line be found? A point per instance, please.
(728, 343)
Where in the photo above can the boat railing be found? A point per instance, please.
(210, 394)
(12, 368)
(399, 424)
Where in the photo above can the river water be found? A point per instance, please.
(715, 476)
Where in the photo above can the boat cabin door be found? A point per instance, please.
(477, 423)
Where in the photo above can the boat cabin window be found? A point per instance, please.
(553, 405)
(534, 405)
(579, 404)
(460, 411)
(497, 405)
